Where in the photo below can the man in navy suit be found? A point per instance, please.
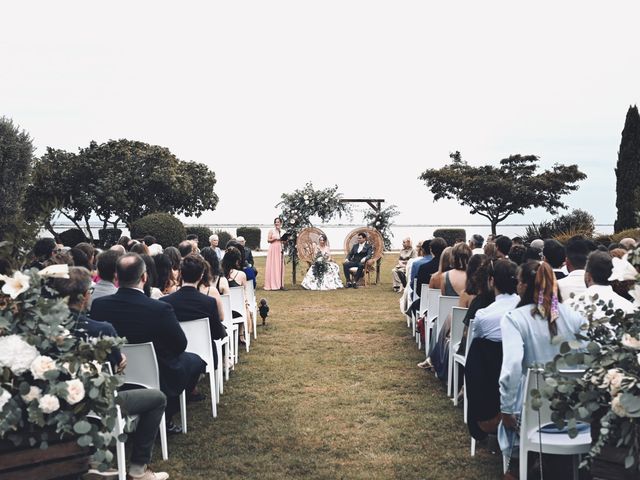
(141, 319)
(358, 256)
(189, 304)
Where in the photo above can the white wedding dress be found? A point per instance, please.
(331, 278)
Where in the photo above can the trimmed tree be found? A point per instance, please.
(628, 173)
(497, 192)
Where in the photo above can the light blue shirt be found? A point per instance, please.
(486, 323)
(416, 265)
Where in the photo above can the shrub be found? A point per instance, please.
(451, 234)
(203, 234)
(576, 221)
(72, 237)
(630, 232)
(109, 236)
(223, 237)
(168, 230)
(251, 236)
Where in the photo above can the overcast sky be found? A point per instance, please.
(362, 94)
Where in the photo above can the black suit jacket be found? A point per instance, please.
(141, 319)
(189, 304)
(354, 256)
(425, 271)
(248, 256)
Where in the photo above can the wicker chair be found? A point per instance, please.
(308, 239)
(374, 237)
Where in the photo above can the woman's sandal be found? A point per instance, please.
(426, 365)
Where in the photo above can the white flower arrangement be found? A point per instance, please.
(41, 365)
(75, 391)
(14, 286)
(16, 354)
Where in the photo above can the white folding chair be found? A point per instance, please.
(531, 439)
(445, 304)
(232, 332)
(142, 370)
(238, 304)
(199, 341)
(457, 329)
(462, 360)
(424, 288)
(250, 292)
(433, 296)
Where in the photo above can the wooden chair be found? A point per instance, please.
(374, 237)
(306, 243)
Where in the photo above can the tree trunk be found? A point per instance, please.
(86, 222)
(493, 227)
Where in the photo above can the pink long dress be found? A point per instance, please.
(274, 267)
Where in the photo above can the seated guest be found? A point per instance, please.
(174, 255)
(185, 248)
(517, 253)
(527, 334)
(214, 240)
(124, 241)
(250, 273)
(573, 285)
(628, 243)
(503, 245)
(532, 253)
(140, 248)
(166, 280)
(42, 251)
(149, 240)
(189, 304)
(216, 277)
(118, 248)
(475, 244)
(150, 289)
(357, 258)
(399, 271)
(236, 278)
(537, 243)
(407, 294)
(193, 238)
(436, 247)
(250, 270)
(554, 254)
(484, 360)
(599, 292)
(490, 250)
(141, 319)
(107, 273)
(148, 404)
(517, 241)
(80, 258)
(445, 264)
(424, 256)
(90, 251)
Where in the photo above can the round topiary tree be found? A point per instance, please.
(168, 230)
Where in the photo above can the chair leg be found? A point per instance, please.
(450, 387)
(183, 411)
(455, 383)
(120, 453)
(214, 392)
(575, 460)
(163, 438)
(247, 337)
(255, 325)
(473, 447)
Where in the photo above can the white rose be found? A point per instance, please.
(34, 394)
(306, 197)
(618, 408)
(4, 398)
(16, 354)
(75, 391)
(14, 286)
(49, 403)
(630, 342)
(41, 365)
(55, 271)
(613, 379)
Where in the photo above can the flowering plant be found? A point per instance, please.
(51, 380)
(608, 393)
(319, 267)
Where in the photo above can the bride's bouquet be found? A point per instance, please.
(320, 266)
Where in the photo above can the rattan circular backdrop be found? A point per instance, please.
(307, 240)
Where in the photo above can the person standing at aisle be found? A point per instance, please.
(274, 269)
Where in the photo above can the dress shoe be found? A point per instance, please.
(355, 285)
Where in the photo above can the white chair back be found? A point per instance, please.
(457, 325)
(469, 337)
(414, 289)
(226, 307)
(433, 295)
(236, 295)
(445, 304)
(424, 298)
(199, 341)
(142, 365)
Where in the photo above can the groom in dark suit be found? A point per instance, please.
(358, 256)
(141, 319)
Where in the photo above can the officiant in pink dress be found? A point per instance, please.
(274, 270)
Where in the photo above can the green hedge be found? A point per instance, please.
(72, 237)
(168, 230)
(630, 233)
(251, 236)
(203, 234)
(223, 237)
(451, 234)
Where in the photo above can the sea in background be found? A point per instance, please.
(336, 233)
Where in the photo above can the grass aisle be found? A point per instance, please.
(330, 390)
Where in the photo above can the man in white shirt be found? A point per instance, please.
(213, 241)
(475, 243)
(577, 251)
(599, 292)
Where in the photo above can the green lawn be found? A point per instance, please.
(330, 390)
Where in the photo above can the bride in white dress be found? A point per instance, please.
(324, 274)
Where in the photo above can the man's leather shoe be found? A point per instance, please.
(355, 285)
